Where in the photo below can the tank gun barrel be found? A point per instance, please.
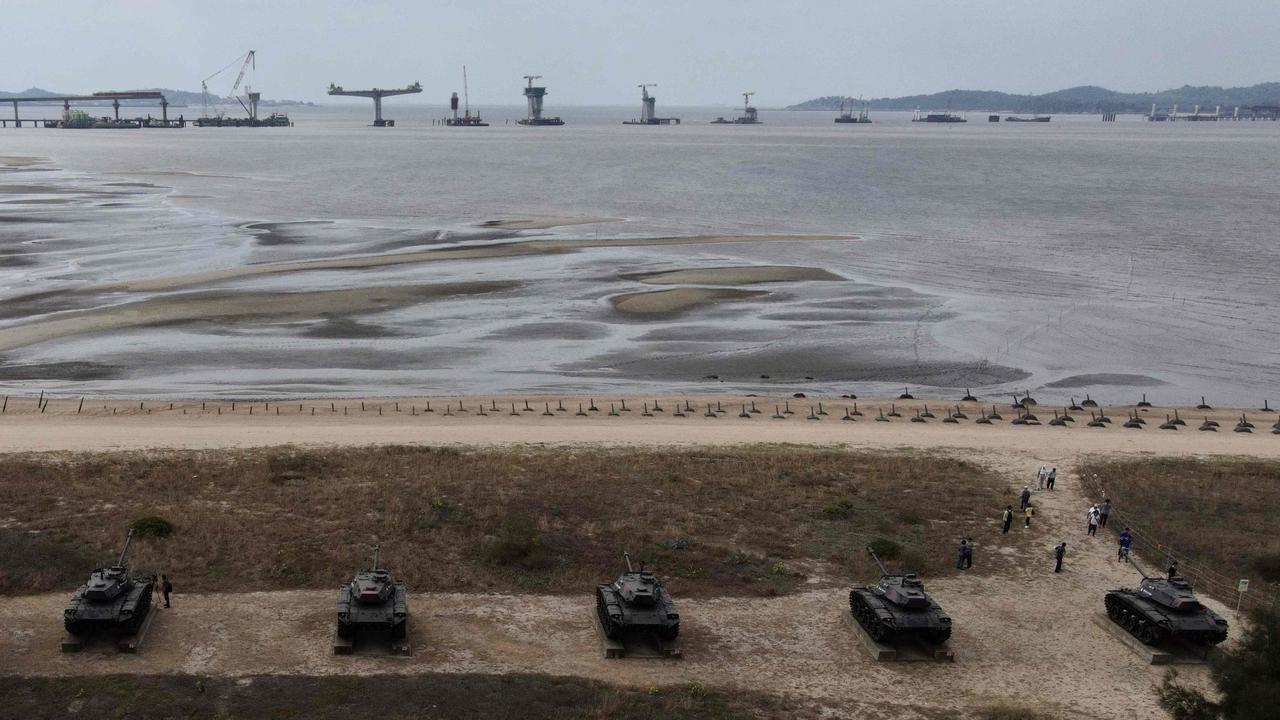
(627, 557)
(1141, 571)
(377, 549)
(872, 553)
(128, 539)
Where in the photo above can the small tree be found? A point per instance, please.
(1247, 678)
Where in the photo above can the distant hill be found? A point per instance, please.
(1083, 99)
(175, 97)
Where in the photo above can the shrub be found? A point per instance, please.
(151, 526)
(841, 509)
(886, 549)
(517, 542)
(1268, 566)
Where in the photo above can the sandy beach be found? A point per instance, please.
(141, 424)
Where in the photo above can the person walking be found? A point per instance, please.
(1104, 511)
(1025, 497)
(968, 556)
(1008, 519)
(1173, 569)
(1093, 521)
(1058, 553)
(1053, 478)
(1028, 511)
(166, 588)
(1126, 542)
(964, 554)
(1041, 476)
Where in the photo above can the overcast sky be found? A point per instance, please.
(699, 52)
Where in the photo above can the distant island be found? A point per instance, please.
(1083, 99)
(176, 98)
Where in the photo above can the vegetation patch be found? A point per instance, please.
(758, 520)
(1217, 514)
(151, 526)
(389, 697)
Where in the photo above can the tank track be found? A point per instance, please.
(1123, 613)
(866, 617)
(612, 630)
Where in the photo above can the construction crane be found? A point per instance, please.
(246, 61)
(746, 102)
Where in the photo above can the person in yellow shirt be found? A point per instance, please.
(1029, 511)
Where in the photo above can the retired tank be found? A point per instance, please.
(112, 600)
(636, 602)
(373, 602)
(898, 606)
(1162, 608)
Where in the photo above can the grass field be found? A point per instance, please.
(387, 697)
(1217, 516)
(749, 521)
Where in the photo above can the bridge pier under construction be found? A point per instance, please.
(377, 94)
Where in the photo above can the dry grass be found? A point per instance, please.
(387, 697)
(747, 521)
(1217, 515)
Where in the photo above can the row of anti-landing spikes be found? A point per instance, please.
(1022, 405)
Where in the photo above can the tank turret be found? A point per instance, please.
(1164, 607)
(373, 601)
(636, 602)
(898, 605)
(110, 600)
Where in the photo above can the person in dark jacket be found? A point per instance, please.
(1058, 554)
(166, 588)
(964, 555)
(1008, 519)
(1126, 542)
(1025, 497)
(1053, 479)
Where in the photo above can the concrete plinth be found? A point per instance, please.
(907, 649)
(124, 642)
(1170, 652)
(635, 645)
(367, 646)
(131, 643)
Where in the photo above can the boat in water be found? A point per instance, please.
(942, 117)
(467, 119)
(748, 117)
(1033, 118)
(847, 116)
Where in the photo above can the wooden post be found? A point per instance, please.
(81, 406)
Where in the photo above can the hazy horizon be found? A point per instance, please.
(595, 54)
